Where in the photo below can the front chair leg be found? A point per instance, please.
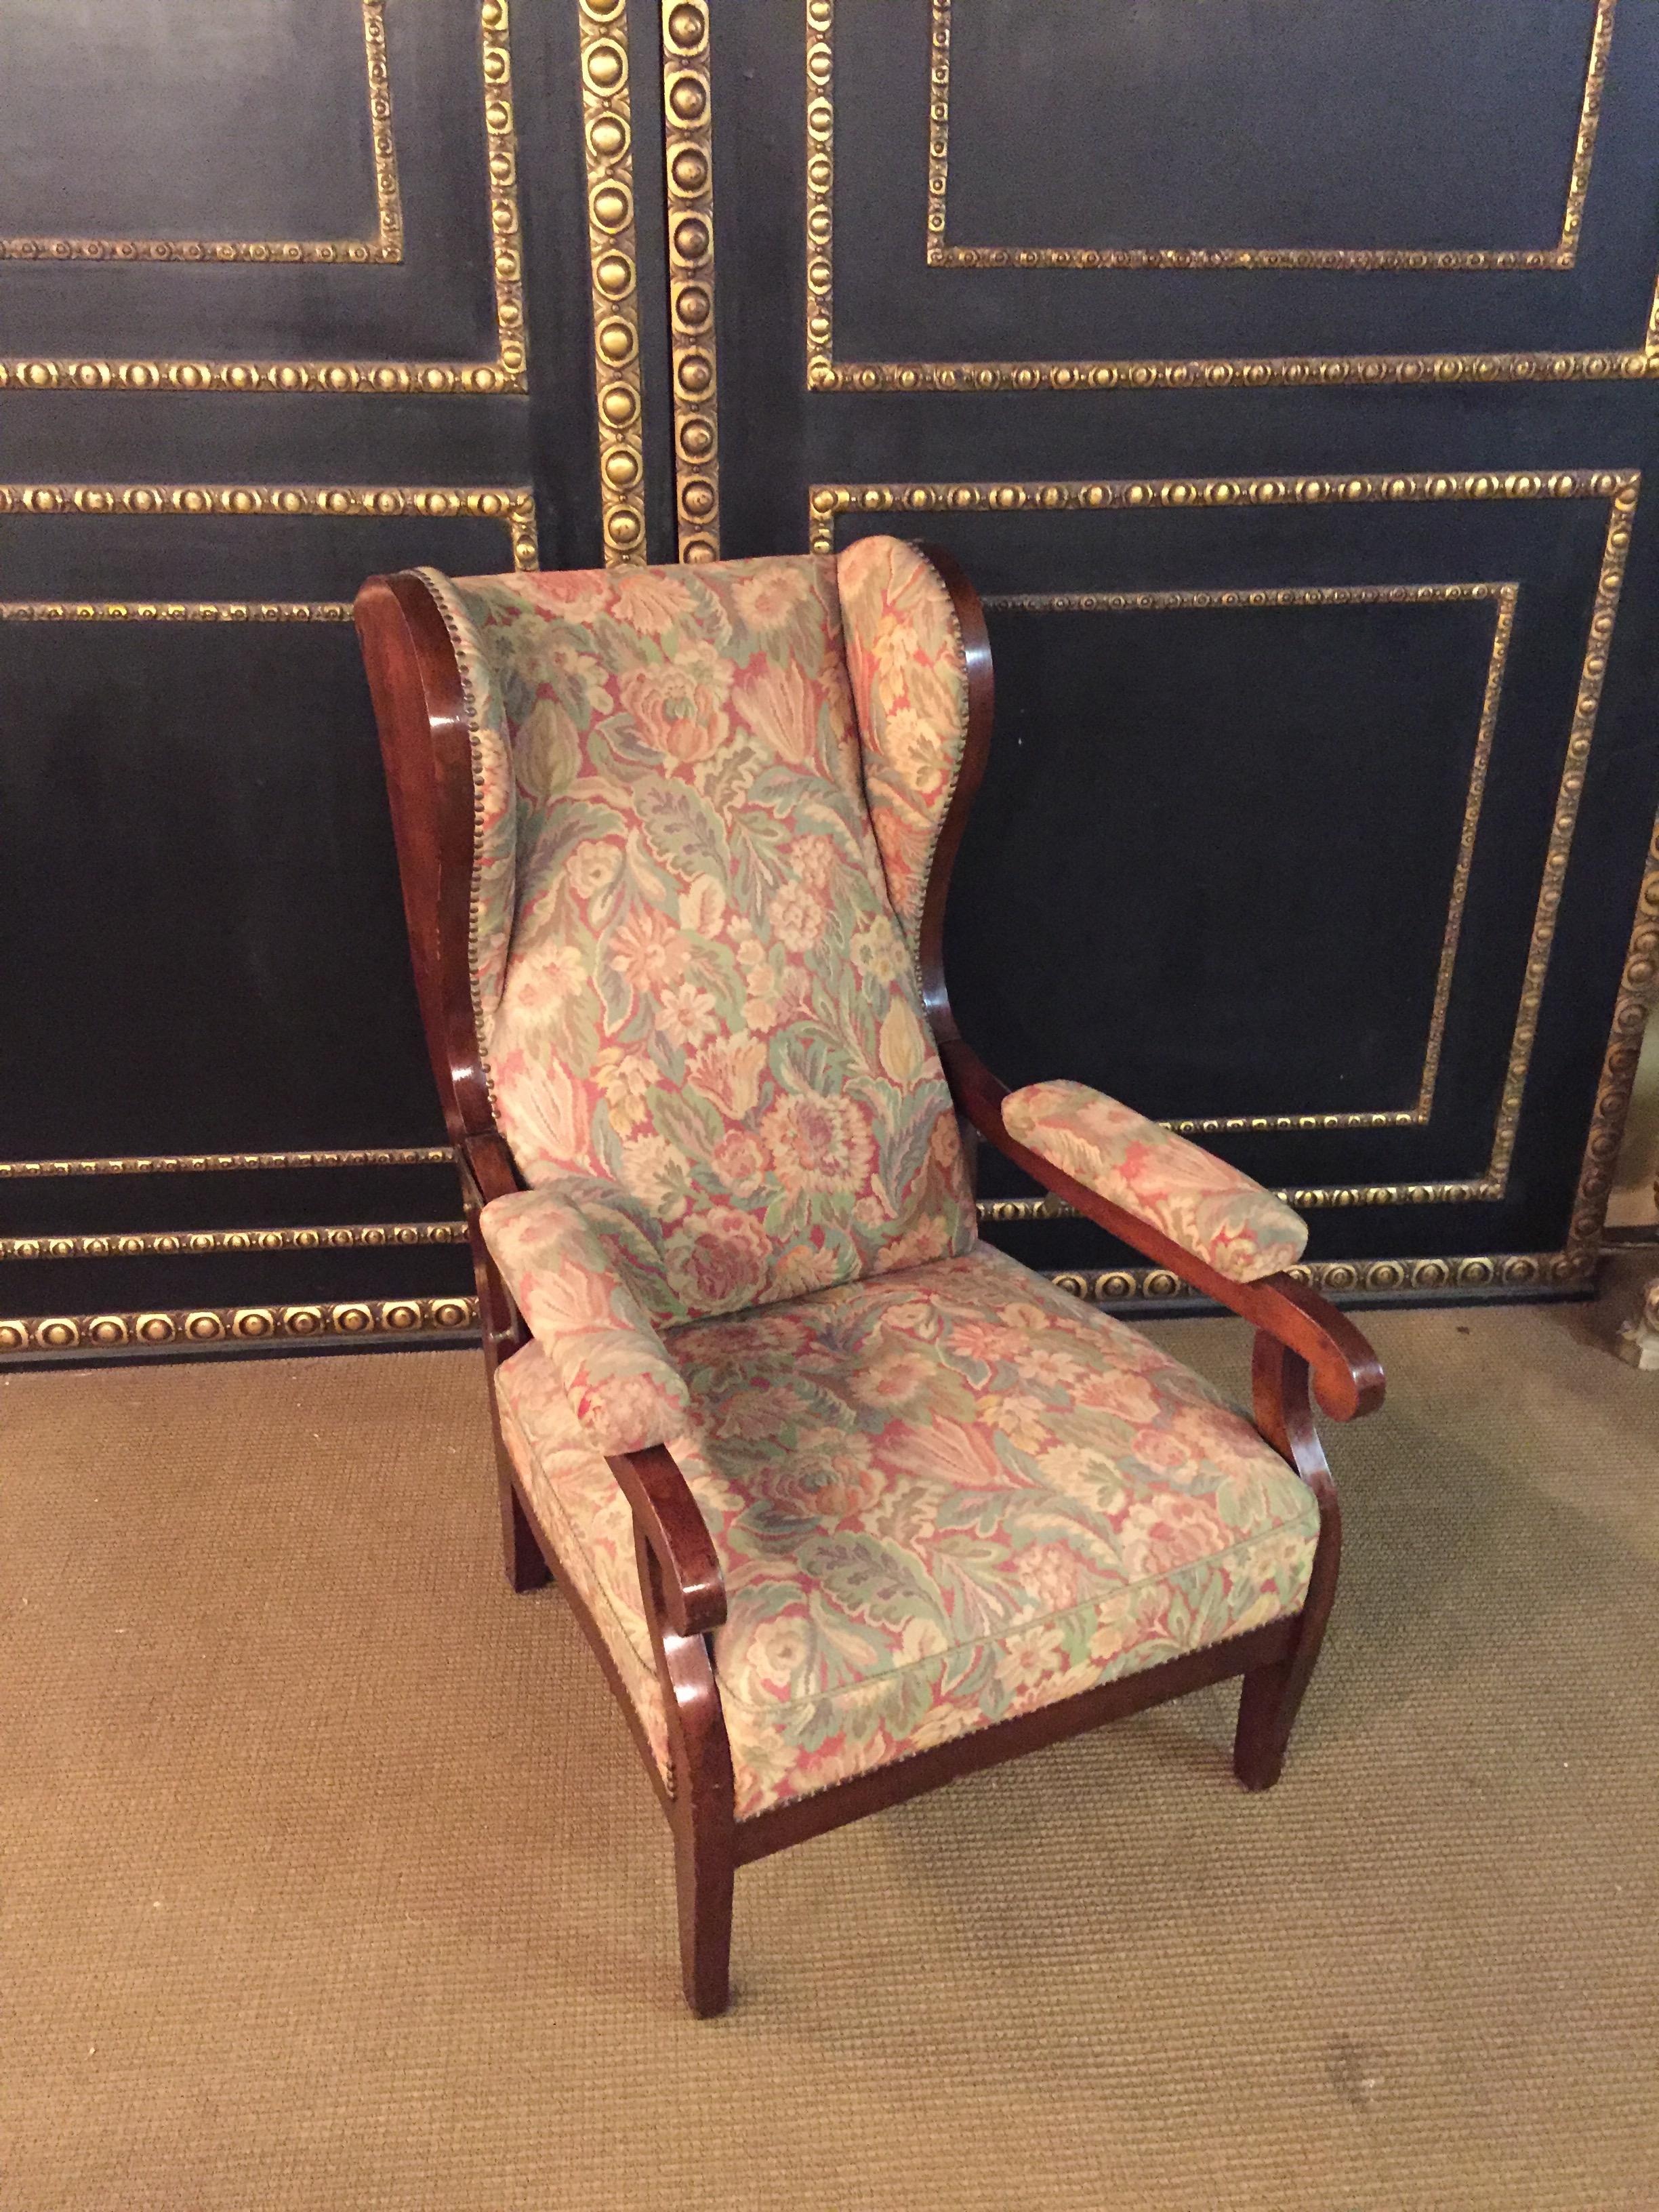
(1266, 1711)
(705, 1875)
(1273, 1694)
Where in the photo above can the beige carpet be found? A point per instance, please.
(330, 1880)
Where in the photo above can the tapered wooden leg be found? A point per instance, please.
(1273, 1695)
(1267, 1712)
(521, 1555)
(705, 1875)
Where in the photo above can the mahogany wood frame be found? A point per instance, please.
(1303, 1346)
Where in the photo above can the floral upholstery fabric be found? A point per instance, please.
(708, 1002)
(910, 691)
(941, 1498)
(623, 1386)
(573, 1497)
(1202, 1204)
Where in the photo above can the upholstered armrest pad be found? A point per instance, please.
(623, 1387)
(1198, 1202)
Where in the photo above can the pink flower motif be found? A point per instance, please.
(818, 1145)
(723, 1259)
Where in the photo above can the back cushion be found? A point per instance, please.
(706, 1002)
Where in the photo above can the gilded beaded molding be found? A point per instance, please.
(394, 1156)
(1561, 255)
(511, 505)
(507, 372)
(236, 1325)
(824, 373)
(1618, 487)
(1503, 597)
(688, 115)
(129, 1244)
(1637, 988)
(386, 245)
(1412, 1280)
(613, 277)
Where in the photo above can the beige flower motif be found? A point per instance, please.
(559, 973)
(1030, 1658)
(653, 603)
(647, 951)
(902, 1048)
(818, 1145)
(729, 1072)
(1129, 1397)
(896, 1380)
(804, 1267)
(549, 1117)
(778, 1654)
(741, 1162)
(686, 1015)
(798, 917)
(769, 593)
(781, 706)
(817, 861)
(878, 952)
(625, 1081)
(678, 706)
(660, 1173)
(593, 867)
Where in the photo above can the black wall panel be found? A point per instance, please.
(1283, 377)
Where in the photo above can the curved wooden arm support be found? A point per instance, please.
(666, 1518)
(1347, 1373)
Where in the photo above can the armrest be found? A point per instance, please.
(1208, 1208)
(622, 1386)
(1347, 1375)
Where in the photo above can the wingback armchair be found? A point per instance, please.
(845, 1502)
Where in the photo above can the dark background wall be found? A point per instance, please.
(1283, 375)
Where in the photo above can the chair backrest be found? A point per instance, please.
(704, 802)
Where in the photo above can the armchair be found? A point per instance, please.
(847, 1503)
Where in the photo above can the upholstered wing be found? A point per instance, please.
(904, 659)
(705, 1001)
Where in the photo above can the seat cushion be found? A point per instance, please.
(942, 1497)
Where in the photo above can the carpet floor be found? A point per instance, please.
(332, 1881)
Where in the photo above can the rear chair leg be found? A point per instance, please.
(521, 1555)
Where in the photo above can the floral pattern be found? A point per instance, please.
(574, 1499)
(910, 691)
(708, 1005)
(623, 1386)
(1206, 1208)
(942, 1497)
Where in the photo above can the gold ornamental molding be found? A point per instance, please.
(201, 1243)
(687, 95)
(1503, 597)
(1618, 487)
(613, 277)
(825, 373)
(386, 245)
(148, 1164)
(1561, 254)
(234, 1328)
(507, 371)
(511, 505)
(1409, 1280)
(1612, 1093)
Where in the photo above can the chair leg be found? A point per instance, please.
(1266, 1711)
(705, 1872)
(521, 1555)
